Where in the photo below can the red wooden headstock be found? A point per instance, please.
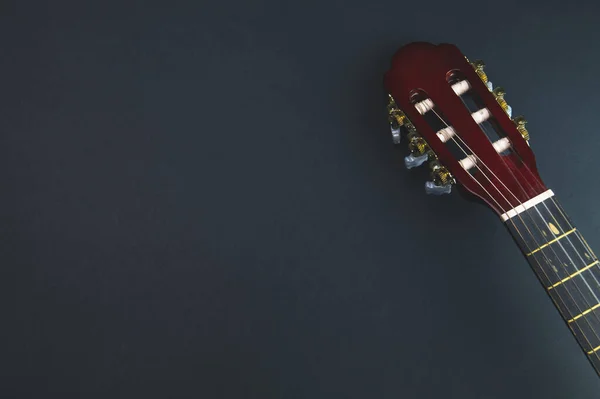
(461, 125)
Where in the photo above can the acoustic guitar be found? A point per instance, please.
(458, 123)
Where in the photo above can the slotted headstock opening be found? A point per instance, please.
(474, 103)
(466, 125)
(445, 133)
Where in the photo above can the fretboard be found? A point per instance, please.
(566, 266)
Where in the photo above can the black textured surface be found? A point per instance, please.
(201, 200)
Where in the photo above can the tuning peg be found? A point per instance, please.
(398, 116)
(499, 93)
(395, 113)
(432, 189)
(440, 174)
(411, 161)
(520, 122)
(419, 151)
(395, 134)
(479, 65)
(397, 119)
(417, 145)
(442, 180)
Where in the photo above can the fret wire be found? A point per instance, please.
(522, 188)
(551, 242)
(574, 248)
(567, 254)
(594, 350)
(542, 268)
(585, 334)
(517, 180)
(581, 237)
(585, 312)
(551, 248)
(573, 275)
(595, 315)
(546, 259)
(584, 338)
(591, 253)
(528, 230)
(556, 240)
(597, 357)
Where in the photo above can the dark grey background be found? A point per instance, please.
(201, 200)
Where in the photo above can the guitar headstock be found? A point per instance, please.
(463, 127)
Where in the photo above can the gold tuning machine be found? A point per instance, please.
(479, 65)
(499, 93)
(441, 179)
(397, 119)
(419, 149)
(440, 175)
(418, 146)
(520, 122)
(396, 116)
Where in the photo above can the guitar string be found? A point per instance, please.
(584, 264)
(571, 227)
(566, 219)
(581, 239)
(570, 294)
(593, 349)
(593, 262)
(583, 242)
(513, 223)
(517, 229)
(568, 222)
(586, 338)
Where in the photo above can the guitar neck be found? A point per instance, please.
(564, 264)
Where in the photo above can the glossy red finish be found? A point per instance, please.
(505, 181)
